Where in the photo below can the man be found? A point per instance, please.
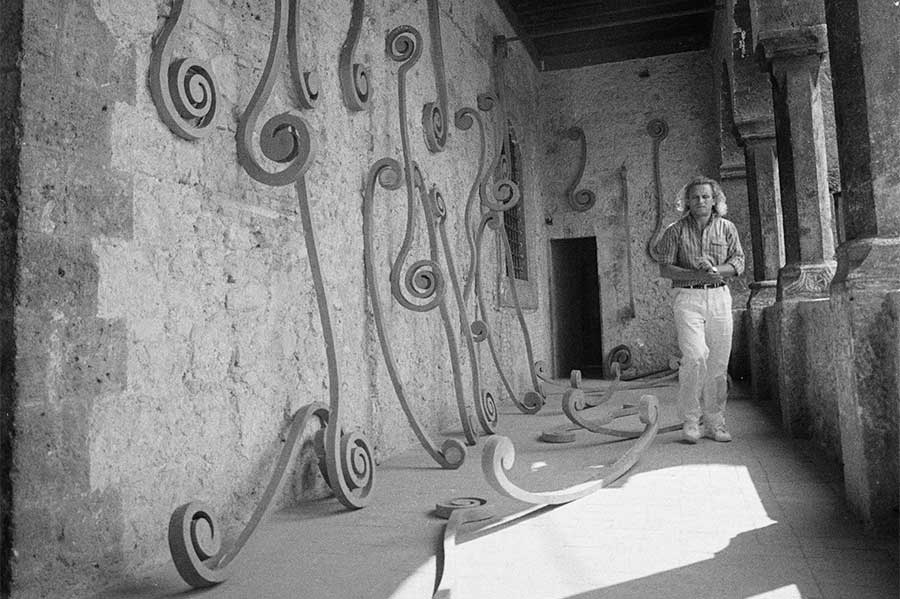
(698, 252)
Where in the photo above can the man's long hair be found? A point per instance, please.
(720, 206)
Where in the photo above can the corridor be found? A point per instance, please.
(759, 517)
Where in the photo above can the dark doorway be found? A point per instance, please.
(576, 306)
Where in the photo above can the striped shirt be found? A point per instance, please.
(683, 243)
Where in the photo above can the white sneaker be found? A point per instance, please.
(690, 431)
(718, 433)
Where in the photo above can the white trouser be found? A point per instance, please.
(704, 325)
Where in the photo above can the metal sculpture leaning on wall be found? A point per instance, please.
(580, 199)
(355, 85)
(345, 458)
(503, 195)
(434, 115)
(658, 130)
(184, 91)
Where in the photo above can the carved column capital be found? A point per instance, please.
(784, 50)
(805, 281)
(756, 131)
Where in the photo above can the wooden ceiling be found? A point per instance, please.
(564, 34)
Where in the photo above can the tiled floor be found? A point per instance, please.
(758, 517)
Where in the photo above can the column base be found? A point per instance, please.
(762, 376)
(866, 301)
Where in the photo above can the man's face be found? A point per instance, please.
(700, 200)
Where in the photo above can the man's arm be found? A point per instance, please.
(677, 273)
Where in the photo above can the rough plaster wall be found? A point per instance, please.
(613, 104)
(167, 325)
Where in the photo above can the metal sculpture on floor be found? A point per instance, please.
(183, 90)
(499, 457)
(344, 457)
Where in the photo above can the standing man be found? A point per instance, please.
(698, 252)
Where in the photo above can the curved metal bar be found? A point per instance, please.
(623, 176)
(580, 200)
(350, 465)
(503, 194)
(184, 91)
(531, 402)
(456, 368)
(658, 130)
(499, 456)
(354, 76)
(285, 138)
(434, 115)
(194, 534)
(519, 314)
(306, 82)
(387, 172)
(485, 408)
(425, 282)
(463, 120)
(458, 512)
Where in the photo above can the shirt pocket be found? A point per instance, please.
(718, 250)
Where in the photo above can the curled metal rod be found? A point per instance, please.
(434, 114)
(580, 199)
(356, 86)
(458, 512)
(184, 90)
(195, 540)
(499, 457)
(485, 408)
(388, 173)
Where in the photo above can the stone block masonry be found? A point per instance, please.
(164, 320)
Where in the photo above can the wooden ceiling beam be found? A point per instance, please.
(539, 33)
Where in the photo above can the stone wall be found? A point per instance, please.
(614, 103)
(166, 324)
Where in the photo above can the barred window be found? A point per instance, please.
(510, 167)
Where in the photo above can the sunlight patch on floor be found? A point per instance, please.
(656, 522)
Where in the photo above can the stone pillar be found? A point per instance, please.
(866, 51)
(793, 58)
(767, 243)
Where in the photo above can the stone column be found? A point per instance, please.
(793, 58)
(767, 243)
(866, 51)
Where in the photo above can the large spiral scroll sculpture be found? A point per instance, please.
(658, 130)
(498, 197)
(499, 457)
(580, 199)
(183, 90)
(194, 541)
(465, 118)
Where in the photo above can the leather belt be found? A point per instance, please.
(704, 286)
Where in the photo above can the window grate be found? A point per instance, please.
(514, 218)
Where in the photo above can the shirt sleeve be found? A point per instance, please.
(667, 246)
(735, 251)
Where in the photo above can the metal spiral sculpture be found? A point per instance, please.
(356, 86)
(388, 173)
(577, 401)
(658, 130)
(464, 119)
(458, 512)
(581, 199)
(344, 457)
(184, 90)
(434, 114)
(306, 82)
(499, 457)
